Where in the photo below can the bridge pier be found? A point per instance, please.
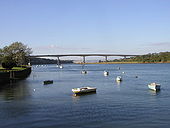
(84, 59)
(58, 61)
(106, 59)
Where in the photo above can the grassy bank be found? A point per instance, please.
(13, 69)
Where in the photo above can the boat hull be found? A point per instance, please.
(118, 78)
(48, 82)
(83, 90)
(154, 87)
(106, 73)
(84, 72)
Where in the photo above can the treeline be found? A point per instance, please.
(161, 57)
(35, 61)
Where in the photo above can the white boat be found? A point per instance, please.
(84, 90)
(154, 86)
(84, 72)
(118, 78)
(61, 66)
(106, 73)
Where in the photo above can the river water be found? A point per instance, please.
(128, 104)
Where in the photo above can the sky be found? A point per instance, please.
(86, 26)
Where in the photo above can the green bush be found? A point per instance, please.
(8, 62)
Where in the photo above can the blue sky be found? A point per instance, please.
(87, 26)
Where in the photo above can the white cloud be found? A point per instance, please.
(55, 49)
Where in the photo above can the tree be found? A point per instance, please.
(18, 52)
(8, 62)
(1, 55)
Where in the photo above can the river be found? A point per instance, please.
(128, 104)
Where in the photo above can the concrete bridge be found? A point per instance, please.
(82, 55)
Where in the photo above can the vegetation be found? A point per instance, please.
(14, 55)
(8, 62)
(1, 55)
(48, 61)
(12, 69)
(161, 57)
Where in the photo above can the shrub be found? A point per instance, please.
(8, 62)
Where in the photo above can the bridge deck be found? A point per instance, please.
(63, 55)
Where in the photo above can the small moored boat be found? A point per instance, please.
(106, 73)
(154, 86)
(84, 90)
(118, 78)
(84, 72)
(48, 82)
(61, 66)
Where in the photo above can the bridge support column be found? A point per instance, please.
(58, 61)
(124, 57)
(106, 59)
(84, 59)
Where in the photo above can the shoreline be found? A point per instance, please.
(7, 76)
(123, 63)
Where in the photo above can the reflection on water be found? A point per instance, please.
(154, 93)
(118, 82)
(14, 105)
(15, 91)
(118, 85)
(77, 97)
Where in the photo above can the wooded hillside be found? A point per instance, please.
(161, 57)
